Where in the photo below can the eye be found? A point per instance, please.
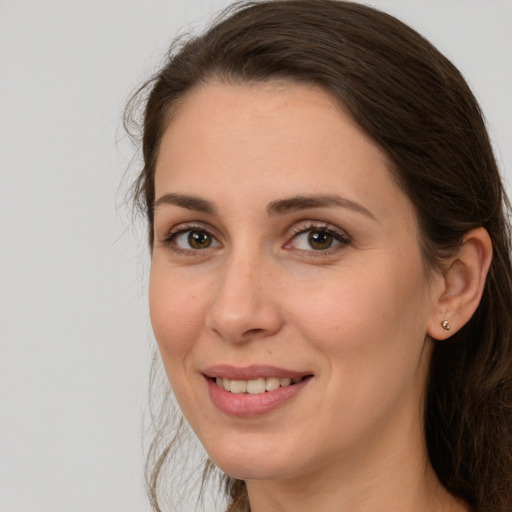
(191, 239)
(317, 239)
(314, 239)
(194, 240)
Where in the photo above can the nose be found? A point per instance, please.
(244, 306)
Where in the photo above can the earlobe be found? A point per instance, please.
(462, 285)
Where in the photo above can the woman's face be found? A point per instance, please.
(284, 250)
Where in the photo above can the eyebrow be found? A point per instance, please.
(297, 203)
(188, 202)
(278, 207)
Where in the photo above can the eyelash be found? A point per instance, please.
(339, 236)
(181, 230)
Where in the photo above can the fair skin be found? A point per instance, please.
(247, 272)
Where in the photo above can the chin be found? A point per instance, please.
(254, 462)
(241, 470)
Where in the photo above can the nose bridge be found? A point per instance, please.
(243, 306)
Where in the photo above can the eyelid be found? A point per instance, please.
(340, 235)
(170, 236)
(299, 228)
(308, 225)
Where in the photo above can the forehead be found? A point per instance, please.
(272, 139)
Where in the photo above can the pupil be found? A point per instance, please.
(320, 240)
(199, 239)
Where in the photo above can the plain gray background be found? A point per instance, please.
(75, 339)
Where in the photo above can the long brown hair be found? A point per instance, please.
(417, 107)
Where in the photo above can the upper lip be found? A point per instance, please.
(252, 372)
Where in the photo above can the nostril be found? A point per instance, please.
(250, 332)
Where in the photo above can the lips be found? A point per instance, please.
(253, 372)
(253, 390)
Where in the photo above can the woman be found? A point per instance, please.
(331, 280)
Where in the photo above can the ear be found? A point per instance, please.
(461, 285)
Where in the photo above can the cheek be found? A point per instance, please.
(368, 332)
(176, 312)
(367, 313)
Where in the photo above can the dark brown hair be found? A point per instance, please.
(416, 106)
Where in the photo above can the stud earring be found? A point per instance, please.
(445, 325)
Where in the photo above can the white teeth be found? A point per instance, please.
(272, 383)
(223, 383)
(254, 386)
(238, 386)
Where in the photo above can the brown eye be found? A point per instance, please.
(199, 239)
(193, 240)
(320, 240)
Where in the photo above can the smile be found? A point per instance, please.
(255, 386)
(248, 392)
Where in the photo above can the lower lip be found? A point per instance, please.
(248, 406)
